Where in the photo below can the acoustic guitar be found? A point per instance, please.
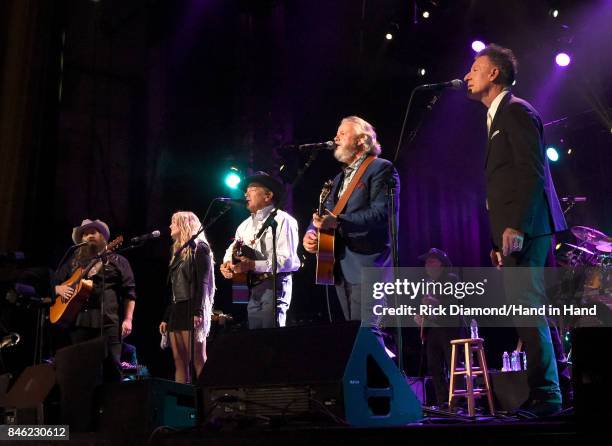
(325, 249)
(64, 311)
(240, 289)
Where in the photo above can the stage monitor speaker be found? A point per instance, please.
(80, 369)
(336, 372)
(591, 367)
(133, 409)
(24, 402)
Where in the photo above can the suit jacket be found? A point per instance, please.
(362, 236)
(520, 191)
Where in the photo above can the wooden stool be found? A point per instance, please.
(470, 372)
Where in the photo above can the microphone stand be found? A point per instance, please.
(392, 218)
(304, 168)
(272, 223)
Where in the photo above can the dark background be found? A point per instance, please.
(127, 111)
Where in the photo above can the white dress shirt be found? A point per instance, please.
(286, 241)
(493, 109)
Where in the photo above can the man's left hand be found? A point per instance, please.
(328, 221)
(245, 265)
(512, 241)
(126, 328)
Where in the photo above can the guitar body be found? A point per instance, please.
(240, 286)
(240, 289)
(325, 258)
(64, 313)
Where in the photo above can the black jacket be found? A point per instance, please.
(189, 277)
(520, 191)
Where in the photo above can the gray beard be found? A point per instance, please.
(343, 155)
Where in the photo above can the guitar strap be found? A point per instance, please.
(341, 204)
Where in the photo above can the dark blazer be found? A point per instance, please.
(520, 191)
(362, 237)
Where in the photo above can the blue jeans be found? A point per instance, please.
(260, 308)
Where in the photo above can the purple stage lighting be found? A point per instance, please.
(478, 46)
(563, 59)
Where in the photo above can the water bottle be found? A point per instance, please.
(514, 361)
(473, 329)
(524, 361)
(505, 362)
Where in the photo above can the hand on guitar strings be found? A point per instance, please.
(226, 270)
(310, 241)
(243, 266)
(327, 221)
(64, 291)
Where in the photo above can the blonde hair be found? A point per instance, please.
(188, 224)
(364, 128)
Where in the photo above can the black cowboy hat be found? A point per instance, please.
(438, 254)
(264, 179)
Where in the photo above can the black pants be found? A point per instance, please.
(438, 350)
(81, 334)
(524, 284)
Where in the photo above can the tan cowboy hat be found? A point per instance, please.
(77, 232)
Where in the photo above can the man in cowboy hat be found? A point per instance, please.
(113, 280)
(263, 196)
(437, 332)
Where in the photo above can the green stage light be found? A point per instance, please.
(232, 179)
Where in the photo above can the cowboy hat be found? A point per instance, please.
(77, 231)
(268, 182)
(438, 254)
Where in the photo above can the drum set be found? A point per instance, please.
(588, 265)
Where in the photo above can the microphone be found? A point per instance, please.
(327, 145)
(9, 340)
(78, 245)
(145, 237)
(455, 84)
(575, 199)
(268, 223)
(231, 200)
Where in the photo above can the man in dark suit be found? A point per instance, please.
(523, 209)
(362, 231)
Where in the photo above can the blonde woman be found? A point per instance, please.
(192, 280)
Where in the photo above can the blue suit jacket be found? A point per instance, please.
(362, 237)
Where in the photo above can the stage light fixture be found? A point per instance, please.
(233, 178)
(554, 13)
(426, 14)
(478, 46)
(392, 31)
(421, 72)
(563, 59)
(569, 151)
(552, 154)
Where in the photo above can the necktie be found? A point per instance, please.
(489, 122)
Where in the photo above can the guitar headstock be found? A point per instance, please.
(116, 243)
(325, 191)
